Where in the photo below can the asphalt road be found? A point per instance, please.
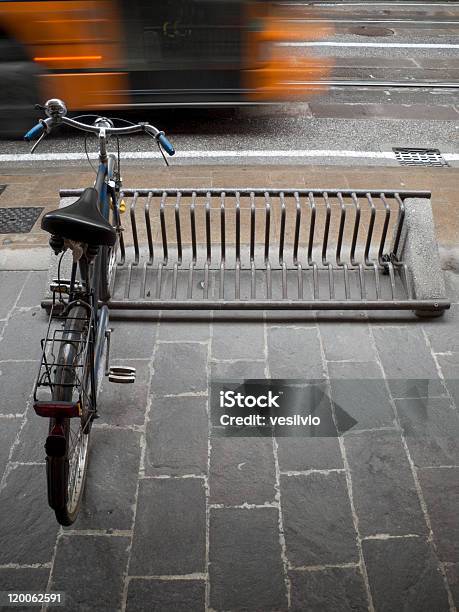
(389, 88)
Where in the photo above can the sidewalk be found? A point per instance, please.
(32, 187)
(175, 518)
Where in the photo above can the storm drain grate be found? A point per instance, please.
(419, 157)
(18, 220)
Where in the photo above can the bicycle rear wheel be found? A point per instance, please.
(66, 475)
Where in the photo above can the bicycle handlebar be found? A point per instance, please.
(49, 123)
(34, 132)
(167, 146)
(95, 129)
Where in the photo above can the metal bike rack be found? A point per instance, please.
(261, 249)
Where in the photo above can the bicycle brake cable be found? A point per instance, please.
(87, 154)
(161, 151)
(32, 150)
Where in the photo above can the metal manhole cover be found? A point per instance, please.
(419, 157)
(18, 220)
(371, 31)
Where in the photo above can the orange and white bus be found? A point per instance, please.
(111, 54)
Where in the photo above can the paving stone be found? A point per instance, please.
(294, 353)
(23, 579)
(112, 480)
(132, 339)
(350, 341)
(125, 405)
(384, 491)
(237, 370)
(363, 397)
(170, 530)
(166, 595)
(30, 446)
(28, 527)
(241, 471)
(431, 429)
(183, 326)
(240, 340)
(8, 431)
(407, 361)
(22, 335)
(299, 454)
(230, 283)
(179, 368)
(441, 493)
(90, 569)
(443, 333)
(177, 436)
(16, 383)
(449, 365)
(355, 370)
(246, 571)
(404, 575)
(11, 284)
(328, 590)
(317, 517)
(35, 287)
(452, 574)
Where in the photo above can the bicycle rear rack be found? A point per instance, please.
(261, 249)
(73, 380)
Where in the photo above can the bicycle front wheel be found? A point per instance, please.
(108, 256)
(66, 475)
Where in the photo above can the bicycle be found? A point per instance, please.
(70, 370)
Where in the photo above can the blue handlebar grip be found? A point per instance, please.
(34, 132)
(167, 146)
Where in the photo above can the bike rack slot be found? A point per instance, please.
(262, 249)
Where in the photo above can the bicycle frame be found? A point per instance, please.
(105, 173)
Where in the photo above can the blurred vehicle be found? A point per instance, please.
(111, 54)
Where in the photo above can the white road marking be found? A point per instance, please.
(381, 45)
(406, 3)
(240, 154)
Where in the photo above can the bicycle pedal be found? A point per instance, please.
(63, 286)
(122, 374)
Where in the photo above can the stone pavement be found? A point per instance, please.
(177, 519)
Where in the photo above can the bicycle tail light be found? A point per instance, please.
(56, 410)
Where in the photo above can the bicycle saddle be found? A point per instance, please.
(81, 221)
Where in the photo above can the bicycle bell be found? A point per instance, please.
(55, 108)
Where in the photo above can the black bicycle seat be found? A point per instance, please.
(81, 221)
